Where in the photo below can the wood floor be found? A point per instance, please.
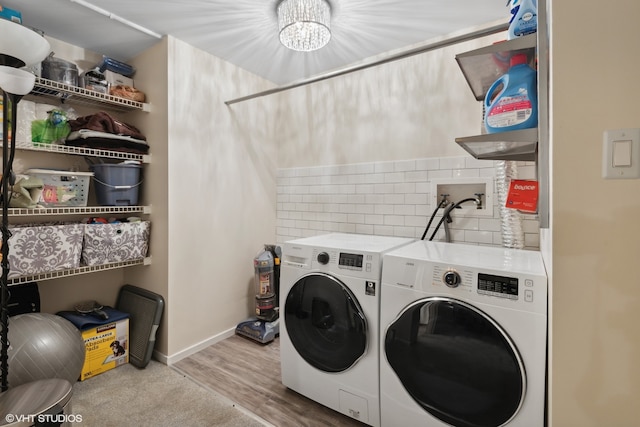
(248, 373)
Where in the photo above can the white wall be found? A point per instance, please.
(394, 198)
(151, 78)
(221, 194)
(407, 109)
(595, 342)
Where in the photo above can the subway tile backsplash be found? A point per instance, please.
(388, 198)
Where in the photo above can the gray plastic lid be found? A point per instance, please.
(264, 260)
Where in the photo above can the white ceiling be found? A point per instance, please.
(245, 32)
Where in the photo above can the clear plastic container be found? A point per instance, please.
(264, 265)
(63, 188)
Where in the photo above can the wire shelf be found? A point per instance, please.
(78, 271)
(78, 95)
(83, 151)
(17, 212)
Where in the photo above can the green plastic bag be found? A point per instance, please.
(55, 128)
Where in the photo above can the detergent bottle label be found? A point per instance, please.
(524, 18)
(515, 7)
(510, 110)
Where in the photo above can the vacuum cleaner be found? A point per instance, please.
(264, 326)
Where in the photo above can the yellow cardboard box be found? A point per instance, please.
(106, 347)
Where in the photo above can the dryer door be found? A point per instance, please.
(456, 362)
(325, 323)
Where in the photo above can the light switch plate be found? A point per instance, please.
(621, 154)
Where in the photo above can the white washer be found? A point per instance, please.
(463, 336)
(329, 308)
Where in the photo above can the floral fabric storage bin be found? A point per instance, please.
(117, 242)
(44, 248)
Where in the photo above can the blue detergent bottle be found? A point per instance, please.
(515, 105)
(524, 18)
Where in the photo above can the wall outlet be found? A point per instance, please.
(462, 188)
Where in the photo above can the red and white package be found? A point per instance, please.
(523, 195)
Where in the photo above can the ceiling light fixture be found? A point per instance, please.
(304, 24)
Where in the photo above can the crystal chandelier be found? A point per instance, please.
(304, 24)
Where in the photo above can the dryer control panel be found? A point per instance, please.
(501, 277)
(471, 280)
(471, 283)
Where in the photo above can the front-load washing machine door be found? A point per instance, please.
(325, 323)
(456, 363)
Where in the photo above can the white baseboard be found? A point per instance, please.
(174, 358)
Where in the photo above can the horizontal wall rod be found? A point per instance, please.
(474, 34)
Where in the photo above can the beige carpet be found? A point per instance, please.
(156, 396)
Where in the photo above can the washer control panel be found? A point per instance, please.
(351, 261)
(323, 258)
(455, 278)
(361, 264)
(451, 278)
(346, 260)
(498, 286)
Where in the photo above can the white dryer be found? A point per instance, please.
(329, 313)
(463, 336)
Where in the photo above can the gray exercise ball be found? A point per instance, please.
(43, 346)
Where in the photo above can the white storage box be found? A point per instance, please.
(63, 188)
(44, 248)
(108, 243)
(117, 79)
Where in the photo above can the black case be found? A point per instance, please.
(24, 298)
(145, 310)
